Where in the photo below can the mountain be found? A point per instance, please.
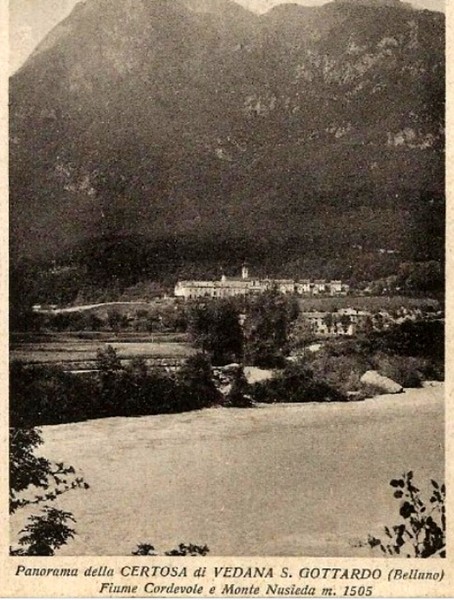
(197, 119)
(379, 3)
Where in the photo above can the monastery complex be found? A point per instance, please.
(245, 285)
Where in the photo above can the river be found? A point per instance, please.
(307, 480)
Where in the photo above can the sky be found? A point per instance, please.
(31, 20)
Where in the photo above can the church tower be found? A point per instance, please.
(245, 272)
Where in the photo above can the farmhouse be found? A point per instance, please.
(245, 285)
(345, 322)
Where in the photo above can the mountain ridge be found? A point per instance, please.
(172, 121)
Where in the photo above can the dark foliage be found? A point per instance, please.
(48, 395)
(145, 549)
(296, 384)
(189, 550)
(49, 530)
(195, 384)
(408, 353)
(215, 328)
(266, 329)
(423, 339)
(239, 394)
(422, 532)
(45, 533)
(28, 470)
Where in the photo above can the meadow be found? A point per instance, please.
(367, 303)
(80, 348)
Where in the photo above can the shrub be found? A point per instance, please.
(238, 395)
(405, 370)
(342, 372)
(369, 390)
(44, 395)
(295, 384)
(423, 339)
(47, 395)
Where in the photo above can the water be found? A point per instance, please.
(275, 480)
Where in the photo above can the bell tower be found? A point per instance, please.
(245, 272)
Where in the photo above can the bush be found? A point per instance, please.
(239, 394)
(48, 395)
(405, 370)
(369, 391)
(295, 384)
(342, 372)
(422, 339)
(43, 395)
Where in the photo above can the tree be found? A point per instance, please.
(301, 334)
(197, 387)
(138, 368)
(296, 383)
(328, 320)
(107, 360)
(47, 395)
(111, 382)
(215, 328)
(345, 321)
(115, 320)
(368, 327)
(427, 277)
(267, 330)
(46, 532)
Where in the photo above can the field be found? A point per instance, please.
(369, 303)
(282, 480)
(79, 349)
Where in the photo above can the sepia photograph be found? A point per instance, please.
(227, 282)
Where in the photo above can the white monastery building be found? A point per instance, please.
(244, 285)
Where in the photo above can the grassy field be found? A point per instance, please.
(102, 337)
(369, 303)
(76, 348)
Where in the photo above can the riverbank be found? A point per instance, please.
(308, 479)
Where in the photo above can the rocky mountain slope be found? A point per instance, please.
(156, 118)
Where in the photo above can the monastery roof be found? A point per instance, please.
(218, 284)
(252, 282)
